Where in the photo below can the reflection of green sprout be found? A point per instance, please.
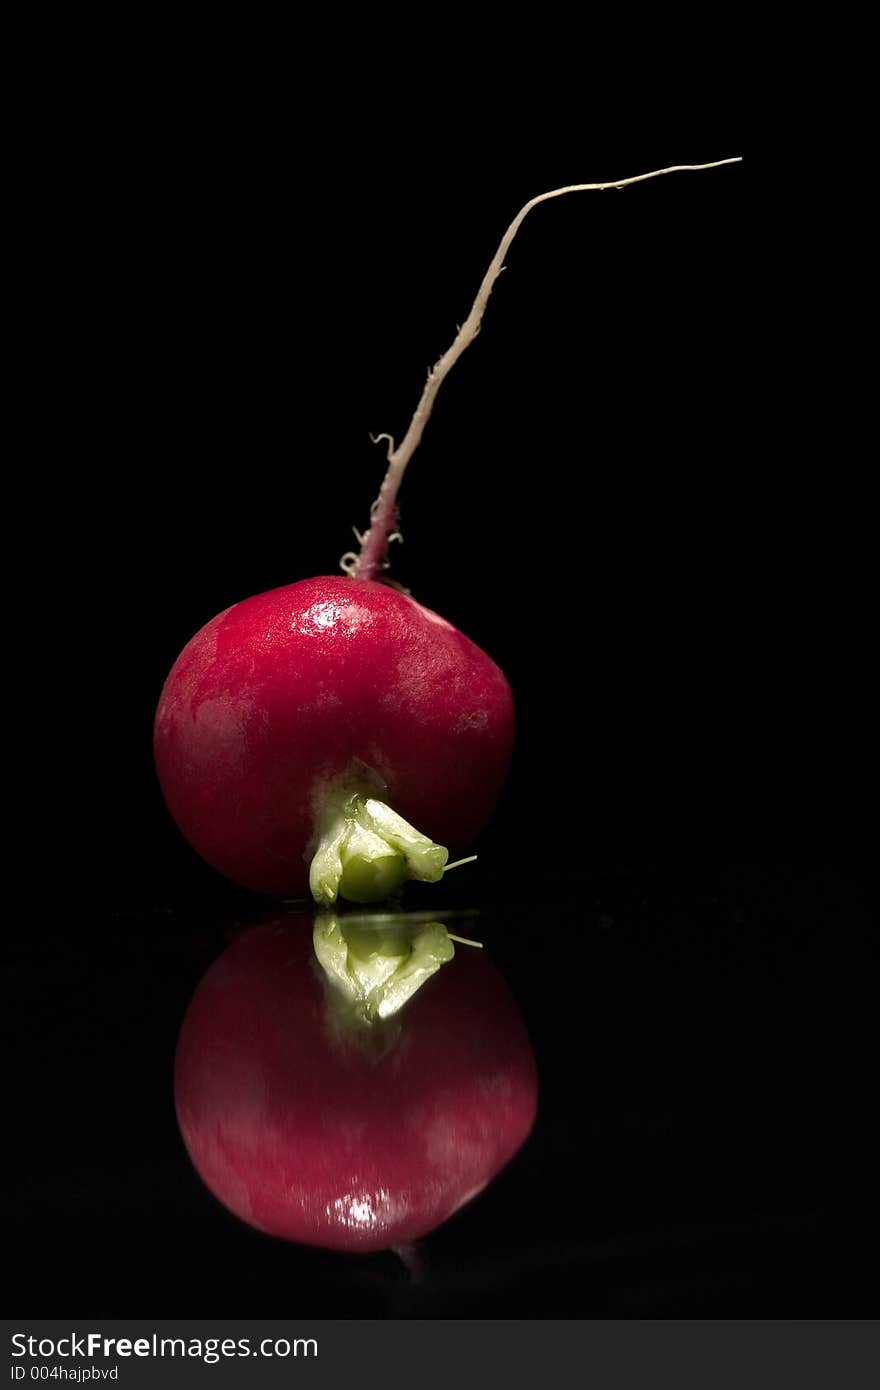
(377, 963)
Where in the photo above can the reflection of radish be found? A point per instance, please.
(342, 1134)
(300, 732)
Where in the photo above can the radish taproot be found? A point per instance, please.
(334, 1105)
(333, 734)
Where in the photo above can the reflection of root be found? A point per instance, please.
(414, 1259)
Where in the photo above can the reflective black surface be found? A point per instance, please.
(706, 1143)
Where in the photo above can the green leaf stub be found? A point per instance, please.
(366, 852)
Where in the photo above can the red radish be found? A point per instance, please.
(302, 731)
(312, 1125)
(287, 704)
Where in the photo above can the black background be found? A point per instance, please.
(627, 495)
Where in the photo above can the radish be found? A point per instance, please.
(333, 734)
(298, 718)
(331, 1107)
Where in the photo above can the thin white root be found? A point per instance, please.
(383, 511)
(458, 863)
(348, 563)
(377, 439)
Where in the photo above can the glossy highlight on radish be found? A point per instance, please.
(312, 1122)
